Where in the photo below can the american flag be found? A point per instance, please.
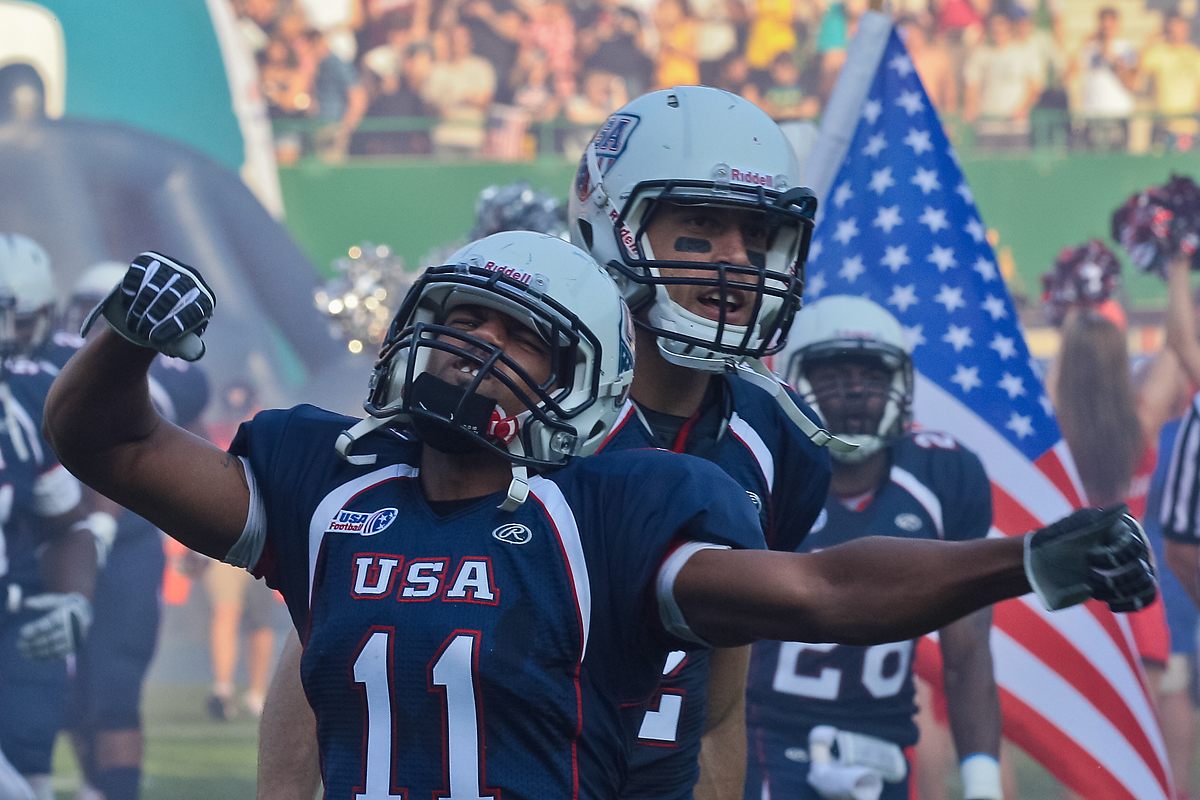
(900, 226)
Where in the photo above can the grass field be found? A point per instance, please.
(191, 757)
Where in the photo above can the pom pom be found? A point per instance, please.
(361, 298)
(1085, 276)
(1155, 224)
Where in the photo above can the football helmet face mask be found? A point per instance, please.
(696, 146)
(843, 330)
(581, 331)
(26, 295)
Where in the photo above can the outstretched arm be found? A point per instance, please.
(883, 589)
(101, 422)
(1181, 316)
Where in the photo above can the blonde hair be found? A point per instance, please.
(1097, 407)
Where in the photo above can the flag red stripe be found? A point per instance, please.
(1052, 648)
(1050, 465)
(1072, 765)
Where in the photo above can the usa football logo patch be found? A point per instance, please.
(362, 523)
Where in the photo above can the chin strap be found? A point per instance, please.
(347, 438)
(753, 370)
(518, 488)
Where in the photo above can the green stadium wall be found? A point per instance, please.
(1035, 205)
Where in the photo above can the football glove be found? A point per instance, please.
(1093, 552)
(60, 630)
(161, 304)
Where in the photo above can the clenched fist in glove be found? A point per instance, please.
(60, 629)
(1100, 553)
(162, 304)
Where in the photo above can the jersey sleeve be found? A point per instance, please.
(669, 500)
(274, 444)
(801, 485)
(965, 493)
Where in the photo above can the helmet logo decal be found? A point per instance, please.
(751, 177)
(511, 272)
(612, 138)
(625, 353)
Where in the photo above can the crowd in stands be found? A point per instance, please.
(511, 79)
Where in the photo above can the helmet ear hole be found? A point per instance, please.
(585, 232)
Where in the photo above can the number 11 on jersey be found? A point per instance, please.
(452, 673)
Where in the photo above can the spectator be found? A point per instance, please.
(1050, 117)
(771, 33)
(932, 60)
(287, 91)
(1106, 71)
(551, 29)
(837, 29)
(533, 89)
(733, 75)
(602, 94)
(496, 27)
(614, 44)
(718, 35)
(257, 20)
(1001, 87)
(340, 98)
(400, 94)
(785, 98)
(1171, 67)
(461, 86)
(678, 63)
(339, 20)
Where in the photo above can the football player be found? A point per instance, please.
(849, 359)
(48, 547)
(473, 595)
(104, 702)
(691, 197)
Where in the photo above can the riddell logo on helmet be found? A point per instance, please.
(512, 272)
(755, 178)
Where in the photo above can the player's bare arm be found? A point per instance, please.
(101, 422)
(723, 747)
(880, 589)
(288, 762)
(972, 699)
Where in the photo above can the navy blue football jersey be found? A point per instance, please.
(24, 460)
(936, 490)
(482, 653)
(786, 476)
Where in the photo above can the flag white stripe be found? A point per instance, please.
(1005, 465)
(1063, 706)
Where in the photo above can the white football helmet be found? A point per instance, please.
(695, 145)
(26, 295)
(94, 285)
(841, 327)
(552, 287)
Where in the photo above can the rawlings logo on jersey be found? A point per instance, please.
(362, 523)
(513, 533)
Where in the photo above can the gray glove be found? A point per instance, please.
(1093, 552)
(161, 304)
(60, 630)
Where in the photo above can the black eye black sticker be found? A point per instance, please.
(689, 244)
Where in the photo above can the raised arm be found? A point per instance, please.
(883, 589)
(101, 422)
(1181, 316)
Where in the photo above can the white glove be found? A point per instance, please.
(1093, 552)
(59, 631)
(161, 304)
(833, 780)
